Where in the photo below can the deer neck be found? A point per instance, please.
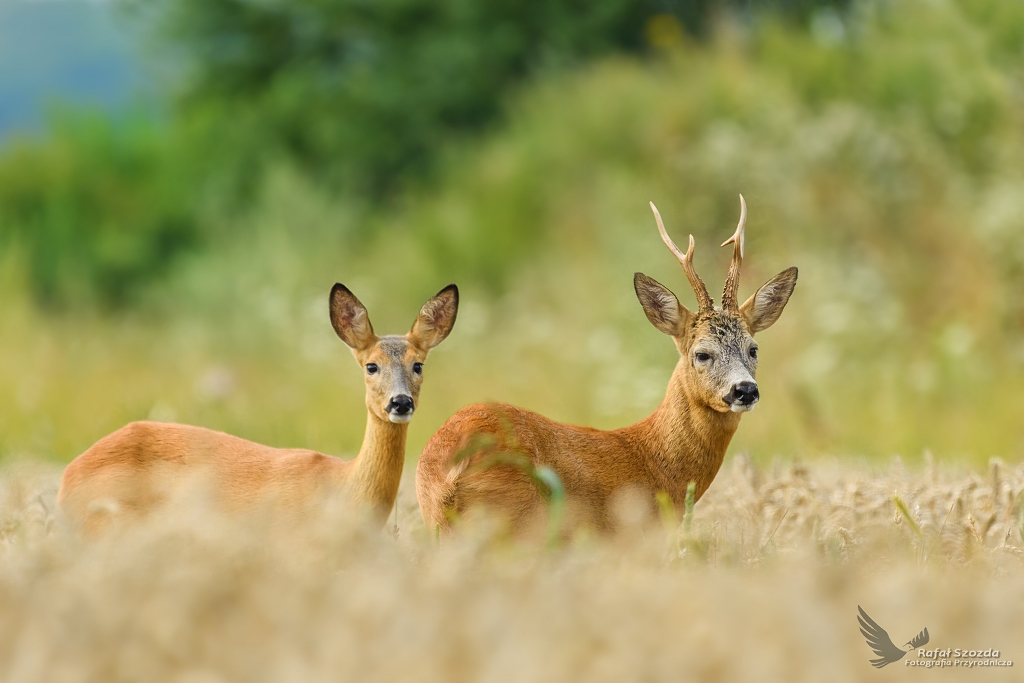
(376, 472)
(685, 438)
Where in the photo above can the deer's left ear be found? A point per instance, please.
(436, 318)
(765, 305)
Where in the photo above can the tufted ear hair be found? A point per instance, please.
(661, 306)
(350, 320)
(436, 318)
(765, 305)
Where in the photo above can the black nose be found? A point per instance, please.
(744, 393)
(400, 405)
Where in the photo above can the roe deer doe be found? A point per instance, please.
(472, 460)
(133, 468)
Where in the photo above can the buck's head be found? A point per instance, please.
(393, 364)
(717, 344)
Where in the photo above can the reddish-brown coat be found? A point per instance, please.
(678, 443)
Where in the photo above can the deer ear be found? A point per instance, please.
(350, 319)
(661, 306)
(436, 318)
(765, 305)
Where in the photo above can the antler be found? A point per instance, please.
(704, 300)
(732, 282)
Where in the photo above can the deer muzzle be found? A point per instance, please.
(400, 408)
(743, 396)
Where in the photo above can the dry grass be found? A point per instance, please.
(762, 585)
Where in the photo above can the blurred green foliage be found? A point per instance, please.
(365, 94)
(96, 208)
(362, 97)
(879, 120)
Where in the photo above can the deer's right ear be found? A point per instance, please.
(350, 319)
(660, 305)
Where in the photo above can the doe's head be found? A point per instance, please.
(393, 364)
(717, 344)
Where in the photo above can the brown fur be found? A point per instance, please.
(684, 440)
(134, 469)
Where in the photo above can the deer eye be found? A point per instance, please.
(753, 352)
(417, 368)
(702, 357)
(371, 368)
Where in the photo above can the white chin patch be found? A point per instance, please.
(742, 408)
(400, 419)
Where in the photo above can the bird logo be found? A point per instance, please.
(881, 643)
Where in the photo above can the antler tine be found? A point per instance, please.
(704, 300)
(732, 283)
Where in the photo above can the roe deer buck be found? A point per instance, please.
(471, 460)
(133, 467)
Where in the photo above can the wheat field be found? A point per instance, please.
(761, 583)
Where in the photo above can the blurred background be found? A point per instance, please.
(182, 181)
